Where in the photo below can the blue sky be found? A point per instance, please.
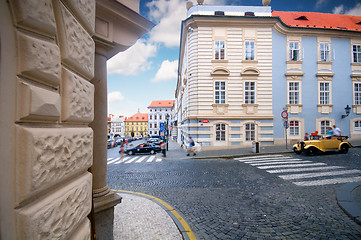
(147, 71)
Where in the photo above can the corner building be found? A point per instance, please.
(241, 66)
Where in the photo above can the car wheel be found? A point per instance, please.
(344, 148)
(311, 151)
(130, 153)
(296, 151)
(152, 152)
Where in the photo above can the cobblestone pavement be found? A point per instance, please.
(229, 199)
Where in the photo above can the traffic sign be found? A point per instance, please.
(286, 125)
(284, 114)
(161, 127)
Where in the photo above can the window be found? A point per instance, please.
(150, 132)
(324, 126)
(293, 93)
(294, 51)
(150, 117)
(357, 93)
(324, 52)
(294, 128)
(150, 125)
(250, 132)
(356, 50)
(324, 93)
(155, 125)
(249, 50)
(160, 116)
(357, 125)
(221, 132)
(219, 50)
(250, 92)
(220, 92)
(155, 117)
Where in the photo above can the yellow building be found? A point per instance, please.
(136, 125)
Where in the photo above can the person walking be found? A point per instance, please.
(163, 148)
(191, 147)
(336, 131)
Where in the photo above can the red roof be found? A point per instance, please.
(161, 103)
(319, 20)
(138, 117)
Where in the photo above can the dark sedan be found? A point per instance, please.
(143, 148)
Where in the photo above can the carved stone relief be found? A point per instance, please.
(47, 156)
(85, 12)
(58, 214)
(34, 14)
(76, 45)
(39, 60)
(78, 98)
(83, 232)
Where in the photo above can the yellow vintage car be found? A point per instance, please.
(318, 144)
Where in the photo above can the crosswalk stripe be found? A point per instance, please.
(293, 165)
(261, 157)
(150, 158)
(158, 160)
(327, 181)
(122, 160)
(109, 159)
(318, 174)
(289, 170)
(113, 160)
(275, 163)
(270, 160)
(140, 159)
(132, 160)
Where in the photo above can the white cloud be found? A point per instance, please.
(355, 11)
(133, 60)
(167, 71)
(320, 3)
(115, 97)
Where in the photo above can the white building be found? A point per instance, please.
(117, 128)
(158, 112)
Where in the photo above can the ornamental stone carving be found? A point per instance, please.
(85, 12)
(76, 46)
(56, 215)
(83, 232)
(39, 60)
(37, 103)
(47, 156)
(36, 15)
(78, 98)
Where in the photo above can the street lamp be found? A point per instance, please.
(347, 111)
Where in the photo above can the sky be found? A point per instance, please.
(147, 71)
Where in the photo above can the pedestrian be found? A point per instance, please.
(306, 138)
(191, 147)
(163, 148)
(329, 133)
(122, 151)
(336, 131)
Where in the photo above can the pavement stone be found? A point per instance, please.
(140, 218)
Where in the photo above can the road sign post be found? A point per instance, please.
(284, 115)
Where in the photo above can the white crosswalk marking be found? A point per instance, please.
(294, 169)
(134, 159)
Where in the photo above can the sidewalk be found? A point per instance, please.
(140, 216)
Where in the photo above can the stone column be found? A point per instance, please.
(104, 199)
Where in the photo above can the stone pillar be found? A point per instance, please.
(104, 199)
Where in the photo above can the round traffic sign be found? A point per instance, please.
(284, 114)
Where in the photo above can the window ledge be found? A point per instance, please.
(325, 63)
(355, 64)
(294, 62)
(219, 61)
(249, 61)
(220, 105)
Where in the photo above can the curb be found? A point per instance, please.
(241, 155)
(344, 200)
(179, 221)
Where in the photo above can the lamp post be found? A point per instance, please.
(347, 111)
(167, 133)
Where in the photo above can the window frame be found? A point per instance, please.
(357, 52)
(248, 136)
(359, 125)
(292, 49)
(220, 91)
(324, 127)
(249, 49)
(294, 93)
(325, 53)
(293, 128)
(326, 95)
(220, 132)
(248, 93)
(218, 50)
(357, 93)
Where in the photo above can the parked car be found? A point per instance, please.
(119, 141)
(155, 141)
(318, 144)
(111, 143)
(143, 148)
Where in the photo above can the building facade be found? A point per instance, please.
(159, 111)
(116, 126)
(136, 125)
(241, 67)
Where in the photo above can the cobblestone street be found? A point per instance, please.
(231, 199)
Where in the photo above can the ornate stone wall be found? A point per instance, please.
(50, 187)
